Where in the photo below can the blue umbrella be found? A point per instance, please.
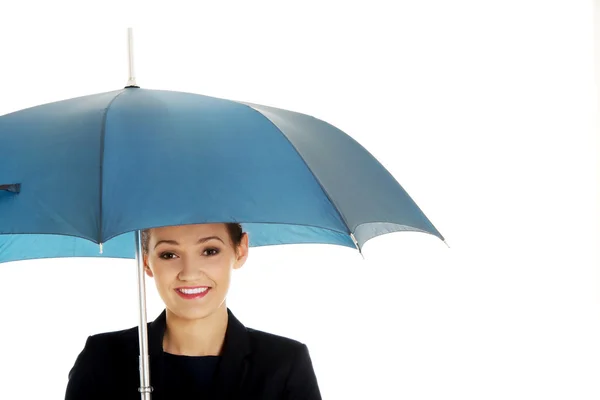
(82, 177)
(96, 168)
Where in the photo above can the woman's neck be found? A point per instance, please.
(197, 337)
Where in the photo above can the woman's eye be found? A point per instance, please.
(167, 256)
(211, 252)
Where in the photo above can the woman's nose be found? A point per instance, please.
(190, 270)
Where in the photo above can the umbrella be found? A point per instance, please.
(82, 177)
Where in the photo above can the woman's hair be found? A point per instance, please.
(235, 233)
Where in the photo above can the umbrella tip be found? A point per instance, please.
(357, 245)
(446, 243)
(101, 250)
(354, 240)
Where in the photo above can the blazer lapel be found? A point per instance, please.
(156, 332)
(232, 367)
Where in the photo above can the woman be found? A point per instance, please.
(197, 348)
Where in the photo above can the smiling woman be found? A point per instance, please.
(192, 261)
(197, 347)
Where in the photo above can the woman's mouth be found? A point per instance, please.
(193, 293)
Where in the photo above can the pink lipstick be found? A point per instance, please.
(190, 293)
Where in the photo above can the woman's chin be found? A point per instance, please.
(191, 312)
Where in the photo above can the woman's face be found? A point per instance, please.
(192, 266)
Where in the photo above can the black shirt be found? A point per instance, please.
(189, 375)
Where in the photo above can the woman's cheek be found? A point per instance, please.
(166, 271)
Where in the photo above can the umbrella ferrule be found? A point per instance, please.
(131, 82)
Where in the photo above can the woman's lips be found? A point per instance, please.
(193, 293)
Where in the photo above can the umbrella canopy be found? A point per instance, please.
(92, 170)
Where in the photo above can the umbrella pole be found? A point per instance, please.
(145, 389)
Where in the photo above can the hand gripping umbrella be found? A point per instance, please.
(96, 170)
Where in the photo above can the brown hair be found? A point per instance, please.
(235, 233)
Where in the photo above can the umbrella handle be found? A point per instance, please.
(13, 188)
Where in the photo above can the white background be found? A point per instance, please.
(484, 112)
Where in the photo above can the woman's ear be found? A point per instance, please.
(242, 252)
(147, 267)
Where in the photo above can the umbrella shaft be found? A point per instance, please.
(145, 389)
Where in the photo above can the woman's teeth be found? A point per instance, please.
(193, 291)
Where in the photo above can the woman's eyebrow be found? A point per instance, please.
(200, 241)
(173, 242)
(206, 239)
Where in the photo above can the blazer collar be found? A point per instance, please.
(232, 366)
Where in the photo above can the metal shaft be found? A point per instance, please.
(145, 389)
(131, 80)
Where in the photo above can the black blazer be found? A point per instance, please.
(254, 365)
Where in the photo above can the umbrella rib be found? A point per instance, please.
(101, 180)
(336, 208)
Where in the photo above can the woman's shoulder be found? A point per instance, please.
(267, 338)
(106, 357)
(265, 343)
(285, 360)
(108, 351)
(112, 341)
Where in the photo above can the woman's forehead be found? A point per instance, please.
(196, 230)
